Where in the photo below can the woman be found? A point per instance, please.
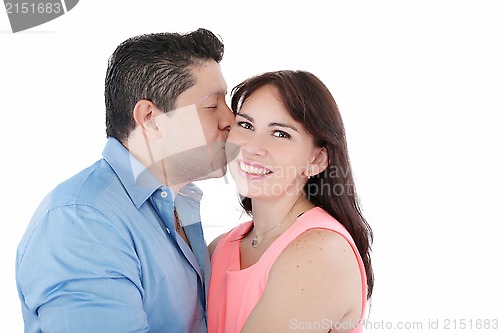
(303, 263)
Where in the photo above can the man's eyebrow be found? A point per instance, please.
(213, 94)
(273, 124)
(217, 92)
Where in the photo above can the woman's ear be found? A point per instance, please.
(319, 162)
(144, 116)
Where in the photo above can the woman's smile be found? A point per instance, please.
(252, 170)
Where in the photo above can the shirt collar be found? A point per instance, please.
(138, 181)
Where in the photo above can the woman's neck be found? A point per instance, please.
(269, 213)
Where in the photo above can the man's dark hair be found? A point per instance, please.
(155, 67)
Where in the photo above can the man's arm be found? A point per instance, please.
(77, 272)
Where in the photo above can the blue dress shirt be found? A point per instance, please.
(101, 254)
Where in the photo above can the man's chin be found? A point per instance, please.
(217, 173)
(196, 164)
(220, 172)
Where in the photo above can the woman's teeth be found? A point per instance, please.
(253, 170)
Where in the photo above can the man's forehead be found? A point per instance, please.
(198, 95)
(209, 83)
(211, 86)
(208, 76)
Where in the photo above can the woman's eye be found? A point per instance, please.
(245, 125)
(281, 134)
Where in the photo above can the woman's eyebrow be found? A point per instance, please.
(284, 125)
(273, 124)
(247, 117)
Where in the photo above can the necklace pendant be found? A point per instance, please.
(254, 242)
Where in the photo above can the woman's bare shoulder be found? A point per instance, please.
(213, 244)
(317, 247)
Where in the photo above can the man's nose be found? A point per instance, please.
(226, 119)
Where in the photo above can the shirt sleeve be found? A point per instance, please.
(78, 272)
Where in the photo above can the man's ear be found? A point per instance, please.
(319, 163)
(144, 116)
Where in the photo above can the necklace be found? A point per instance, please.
(255, 243)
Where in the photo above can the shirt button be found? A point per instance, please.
(164, 194)
(168, 230)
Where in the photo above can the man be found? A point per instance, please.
(106, 251)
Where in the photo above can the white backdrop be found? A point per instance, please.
(417, 83)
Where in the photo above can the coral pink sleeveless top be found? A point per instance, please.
(234, 292)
